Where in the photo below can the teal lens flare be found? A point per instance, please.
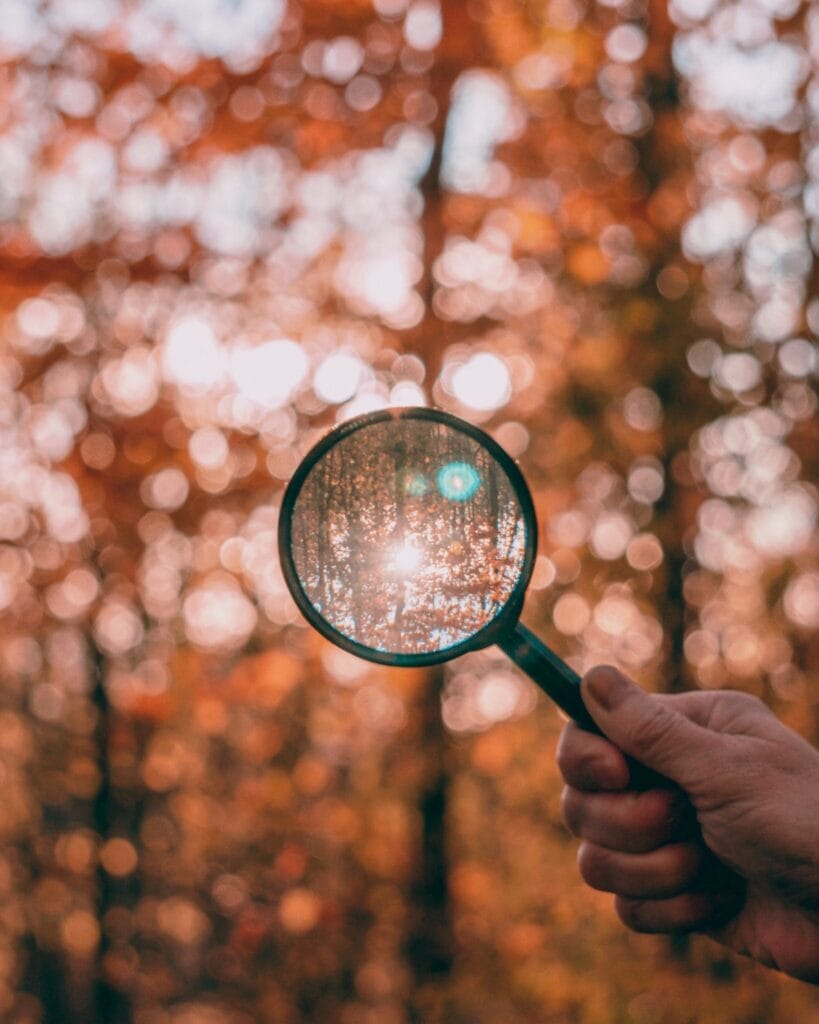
(415, 484)
(458, 481)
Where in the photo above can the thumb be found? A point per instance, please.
(646, 727)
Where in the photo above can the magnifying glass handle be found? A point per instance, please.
(556, 679)
(551, 673)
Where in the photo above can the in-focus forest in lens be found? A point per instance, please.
(590, 228)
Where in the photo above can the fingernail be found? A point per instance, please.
(606, 686)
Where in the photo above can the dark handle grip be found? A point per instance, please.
(551, 673)
(562, 684)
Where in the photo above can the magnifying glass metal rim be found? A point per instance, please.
(486, 635)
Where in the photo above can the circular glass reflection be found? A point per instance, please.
(407, 535)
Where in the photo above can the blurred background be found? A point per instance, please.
(226, 225)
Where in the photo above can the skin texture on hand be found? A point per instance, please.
(729, 846)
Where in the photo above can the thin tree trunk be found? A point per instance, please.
(430, 946)
(112, 1005)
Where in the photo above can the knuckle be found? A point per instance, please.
(570, 802)
(748, 700)
(693, 857)
(566, 754)
(696, 910)
(687, 912)
(631, 912)
(653, 816)
(739, 700)
(684, 861)
(582, 759)
(594, 866)
(666, 805)
(737, 706)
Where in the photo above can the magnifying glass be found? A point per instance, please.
(408, 537)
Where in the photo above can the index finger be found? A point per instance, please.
(590, 762)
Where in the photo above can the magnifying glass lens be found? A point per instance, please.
(407, 535)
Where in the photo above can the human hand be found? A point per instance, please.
(729, 847)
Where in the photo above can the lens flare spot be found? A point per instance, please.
(458, 481)
(416, 485)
